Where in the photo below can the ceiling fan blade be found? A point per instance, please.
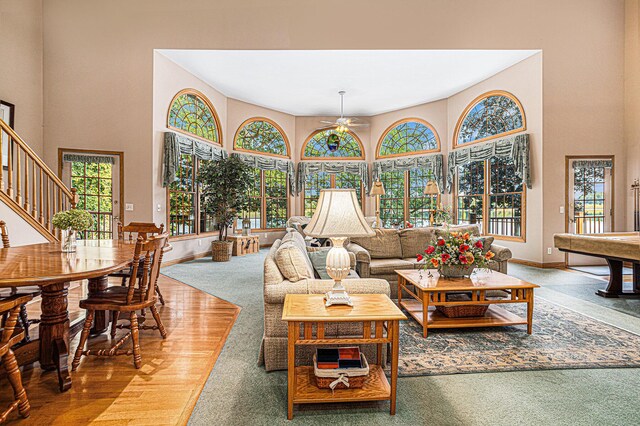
(358, 125)
(327, 122)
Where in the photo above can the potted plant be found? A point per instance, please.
(70, 222)
(225, 189)
(457, 255)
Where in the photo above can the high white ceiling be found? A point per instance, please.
(306, 82)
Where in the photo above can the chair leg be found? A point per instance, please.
(135, 339)
(13, 374)
(114, 323)
(156, 316)
(24, 318)
(83, 340)
(160, 298)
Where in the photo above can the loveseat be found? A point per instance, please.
(390, 250)
(273, 350)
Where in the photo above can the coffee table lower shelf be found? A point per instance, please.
(494, 317)
(376, 388)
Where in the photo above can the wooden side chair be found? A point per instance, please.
(10, 336)
(139, 294)
(131, 232)
(33, 291)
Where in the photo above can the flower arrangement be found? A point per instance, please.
(74, 219)
(457, 251)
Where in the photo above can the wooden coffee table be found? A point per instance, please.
(427, 293)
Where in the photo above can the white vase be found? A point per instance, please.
(69, 237)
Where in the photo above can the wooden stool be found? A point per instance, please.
(244, 244)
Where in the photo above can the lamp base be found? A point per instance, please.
(337, 298)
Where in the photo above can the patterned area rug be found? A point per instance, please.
(561, 339)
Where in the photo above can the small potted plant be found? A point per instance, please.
(225, 188)
(70, 222)
(457, 255)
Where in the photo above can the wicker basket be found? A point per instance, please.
(221, 251)
(355, 377)
(461, 311)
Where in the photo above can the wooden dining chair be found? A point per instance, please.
(10, 336)
(131, 232)
(139, 294)
(33, 291)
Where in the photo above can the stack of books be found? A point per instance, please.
(332, 358)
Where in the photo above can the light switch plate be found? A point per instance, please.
(128, 207)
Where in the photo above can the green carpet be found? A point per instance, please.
(239, 392)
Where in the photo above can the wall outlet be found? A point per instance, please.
(265, 236)
(128, 207)
(158, 208)
(549, 250)
(199, 242)
(561, 209)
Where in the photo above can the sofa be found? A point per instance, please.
(390, 250)
(273, 349)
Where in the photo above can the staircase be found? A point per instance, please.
(29, 187)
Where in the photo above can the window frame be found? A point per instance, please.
(407, 154)
(477, 100)
(486, 207)
(207, 102)
(315, 132)
(263, 207)
(406, 198)
(332, 177)
(274, 124)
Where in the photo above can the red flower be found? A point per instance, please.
(463, 259)
(464, 247)
(478, 244)
(430, 250)
(441, 242)
(419, 257)
(445, 257)
(434, 262)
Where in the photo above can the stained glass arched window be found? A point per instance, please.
(322, 144)
(263, 136)
(490, 115)
(406, 137)
(192, 113)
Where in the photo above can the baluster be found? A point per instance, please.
(10, 168)
(48, 205)
(34, 198)
(41, 197)
(18, 176)
(59, 199)
(26, 182)
(74, 198)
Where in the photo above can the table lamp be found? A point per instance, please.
(337, 217)
(432, 188)
(377, 190)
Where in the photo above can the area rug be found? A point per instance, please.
(601, 270)
(561, 339)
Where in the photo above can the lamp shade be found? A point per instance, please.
(377, 189)
(338, 215)
(432, 188)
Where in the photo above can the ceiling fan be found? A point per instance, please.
(343, 124)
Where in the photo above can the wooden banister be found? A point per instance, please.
(28, 186)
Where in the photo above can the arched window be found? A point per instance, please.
(489, 116)
(406, 137)
(332, 144)
(317, 147)
(262, 136)
(192, 113)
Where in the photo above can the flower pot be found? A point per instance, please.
(68, 240)
(456, 271)
(221, 251)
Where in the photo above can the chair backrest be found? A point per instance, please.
(136, 229)
(5, 234)
(151, 251)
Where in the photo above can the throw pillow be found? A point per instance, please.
(292, 262)
(319, 261)
(486, 243)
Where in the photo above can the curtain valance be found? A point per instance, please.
(176, 145)
(592, 164)
(431, 162)
(515, 148)
(306, 168)
(80, 158)
(271, 163)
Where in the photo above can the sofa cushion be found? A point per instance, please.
(298, 240)
(471, 229)
(416, 240)
(486, 243)
(388, 266)
(319, 261)
(272, 274)
(414, 262)
(385, 244)
(292, 262)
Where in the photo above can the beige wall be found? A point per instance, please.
(98, 68)
(632, 101)
(21, 57)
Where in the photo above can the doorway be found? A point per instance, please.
(589, 200)
(97, 177)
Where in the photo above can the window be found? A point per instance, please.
(317, 146)
(321, 180)
(408, 136)
(269, 205)
(491, 189)
(489, 116)
(263, 136)
(192, 113)
(93, 181)
(404, 200)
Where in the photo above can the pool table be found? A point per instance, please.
(616, 248)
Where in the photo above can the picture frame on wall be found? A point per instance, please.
(7, 114)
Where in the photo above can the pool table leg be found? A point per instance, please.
(614, 289)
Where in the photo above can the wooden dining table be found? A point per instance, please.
(46, 266)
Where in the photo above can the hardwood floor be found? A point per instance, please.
(112, 391)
